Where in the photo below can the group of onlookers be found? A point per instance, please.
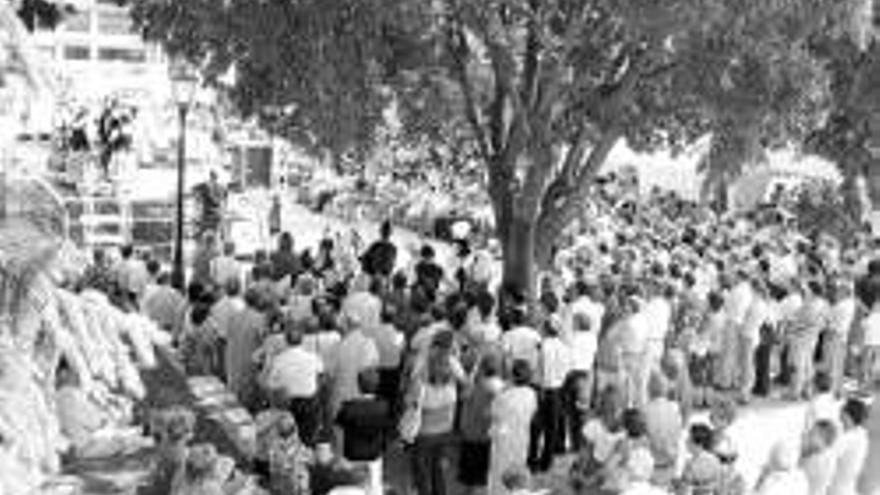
(653, 312)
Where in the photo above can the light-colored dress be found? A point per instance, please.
(512, 413)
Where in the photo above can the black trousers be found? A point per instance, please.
(429, 456)
(785, 370)
(307, 412)
(548, 429)
(763, 360)
(574, 414)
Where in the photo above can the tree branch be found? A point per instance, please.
(458, 47)
(531, 65)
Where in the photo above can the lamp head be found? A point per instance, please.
(184, 82)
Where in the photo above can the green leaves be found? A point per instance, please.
(517, 80)
(42, 13)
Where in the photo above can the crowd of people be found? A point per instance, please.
(654, 312)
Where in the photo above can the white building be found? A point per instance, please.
(97, 54)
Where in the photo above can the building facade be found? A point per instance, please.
(97, 53)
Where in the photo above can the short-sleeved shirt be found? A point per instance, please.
(555, 362)
(871, 329)
(295, 373)
(522, 343)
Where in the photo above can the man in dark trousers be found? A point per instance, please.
(380, 257)
(366, 422)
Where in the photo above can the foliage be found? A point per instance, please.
(820, 209)
(42, 13)
(846, 136)
(542, 90)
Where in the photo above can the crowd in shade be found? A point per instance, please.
(658, 322)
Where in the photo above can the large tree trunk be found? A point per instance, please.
(519, 257)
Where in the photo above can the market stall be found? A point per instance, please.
(47, 329)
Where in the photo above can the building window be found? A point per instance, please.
(77, 52)
(47, 51)
(79, 22)
(114, 22)
(122, 55)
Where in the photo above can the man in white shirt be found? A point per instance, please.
(547, 431)
(758, 315)
(583, 342)
(823, 406)
(585, 303)
(521, 341)
(226, 267)
(294, 378)
(852, 448)
(841, 316)
(133, 277)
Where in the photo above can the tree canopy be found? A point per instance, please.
(41, 13)
(853, 122)
(542, 90)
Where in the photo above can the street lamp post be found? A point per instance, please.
(183, 85)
